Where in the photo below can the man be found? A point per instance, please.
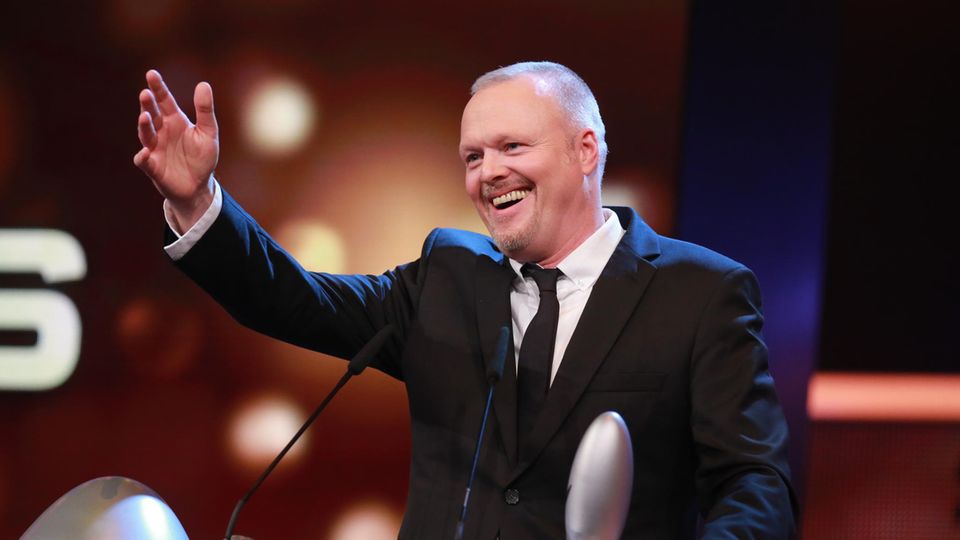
(605, 313)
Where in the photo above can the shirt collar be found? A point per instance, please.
(584, 265)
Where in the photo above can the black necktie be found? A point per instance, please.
(536, 350)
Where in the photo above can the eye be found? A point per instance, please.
(511, 146)
(471, 157)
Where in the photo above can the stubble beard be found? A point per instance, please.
(518, 240)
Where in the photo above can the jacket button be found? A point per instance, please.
(511, 496)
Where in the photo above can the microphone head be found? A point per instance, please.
(495, 368)
(370, 350)
(601, 479)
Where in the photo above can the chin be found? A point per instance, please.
(515, 236)
(514, 243)
(511, 245)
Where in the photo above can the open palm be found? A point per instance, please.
(177, 155)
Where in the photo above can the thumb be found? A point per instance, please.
(203, 101)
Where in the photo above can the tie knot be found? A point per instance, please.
(546, 278)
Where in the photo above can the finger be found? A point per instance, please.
(203, 101)
(165, 100)
(149, 104)
(141, 159)
(145, 131)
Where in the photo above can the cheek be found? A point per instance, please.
(535, 167)
(472, 185)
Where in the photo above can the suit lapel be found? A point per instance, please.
(494, 279)
(613, 300)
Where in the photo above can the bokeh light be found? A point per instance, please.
(261, 427)
(278, 116)
(388, 205)
(366, 521)
(158, 338)
(314, 245)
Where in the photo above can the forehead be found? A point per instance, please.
(521, 106)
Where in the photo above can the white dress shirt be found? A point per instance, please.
(179, 247)
(581, 269)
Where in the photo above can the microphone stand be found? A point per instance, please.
(494, 373)
(356, 366)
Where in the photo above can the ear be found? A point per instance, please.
(588, 151)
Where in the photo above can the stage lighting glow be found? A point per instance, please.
(886, 397)
(620, 194)
(646, 192)
(367, 521)
(261, 428)
(158, 338)
(279, 115)
(397, 191)
(130, 18)
(316, 246)
(468, 220)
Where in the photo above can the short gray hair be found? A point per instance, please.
(567, 87)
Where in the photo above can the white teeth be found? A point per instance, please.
(515, 195)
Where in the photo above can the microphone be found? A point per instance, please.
(355, 367)
(601, 478)
(494, 372)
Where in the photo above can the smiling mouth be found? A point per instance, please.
(509, 199)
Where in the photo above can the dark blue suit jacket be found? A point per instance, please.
(670, 338)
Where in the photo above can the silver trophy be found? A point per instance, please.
(601, 478)
(108, 508)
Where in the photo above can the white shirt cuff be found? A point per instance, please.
(184, 242)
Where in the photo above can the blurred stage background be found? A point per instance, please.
(808, 142)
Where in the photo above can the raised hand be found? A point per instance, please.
(177, 155)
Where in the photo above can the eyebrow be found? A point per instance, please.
(498, 139)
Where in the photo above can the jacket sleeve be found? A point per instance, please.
(265, 289)
(737, 423)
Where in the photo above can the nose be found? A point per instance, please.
(492, 168)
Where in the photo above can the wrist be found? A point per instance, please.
(188, 211)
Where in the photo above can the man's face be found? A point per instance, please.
(523, 170)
